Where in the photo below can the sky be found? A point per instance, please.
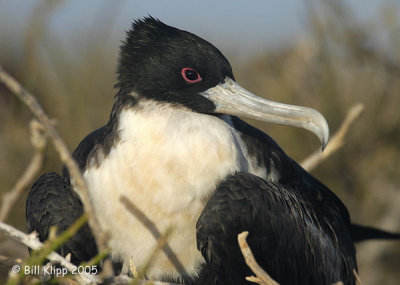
(238, 27)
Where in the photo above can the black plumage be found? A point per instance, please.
(295, 221)
(285, 227)
(299, 230)
(52, 202)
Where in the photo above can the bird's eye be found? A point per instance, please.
(190, 75)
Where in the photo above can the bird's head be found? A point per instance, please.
(165, 64)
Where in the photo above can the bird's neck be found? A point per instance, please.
(197, 149)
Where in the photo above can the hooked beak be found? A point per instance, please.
(230, 98)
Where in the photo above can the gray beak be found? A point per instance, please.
(230, 98)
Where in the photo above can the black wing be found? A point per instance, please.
(361, 233)
(292, 238)
(267, 152)
(52, 202)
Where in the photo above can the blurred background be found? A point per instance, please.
(323, 54)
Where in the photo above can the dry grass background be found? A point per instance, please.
(332, 68)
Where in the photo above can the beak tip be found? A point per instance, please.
(324, 132)
(324, 144)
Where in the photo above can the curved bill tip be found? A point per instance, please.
(324, 133)
(316, 123)
(230, 98)
(324, 142)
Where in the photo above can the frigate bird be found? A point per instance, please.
(176, 149)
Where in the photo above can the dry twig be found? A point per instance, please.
(125, 280)
(337, 140)
(358, 280)
(262, 277)
(76, 176)
(39, 142)
(32, 242)
(161, 239)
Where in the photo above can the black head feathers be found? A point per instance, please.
(154, 57)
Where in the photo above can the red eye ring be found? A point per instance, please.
(190, 75)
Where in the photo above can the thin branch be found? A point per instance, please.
(125, 280)
(39, 142)
(337, 140)
(155, 232)
(32, 242)
(358, 280)
(66, 158)
(96, 259)
(133, 268)
(262, 277)
(162, 244)
(54, 242)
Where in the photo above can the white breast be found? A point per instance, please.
(167, 163)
